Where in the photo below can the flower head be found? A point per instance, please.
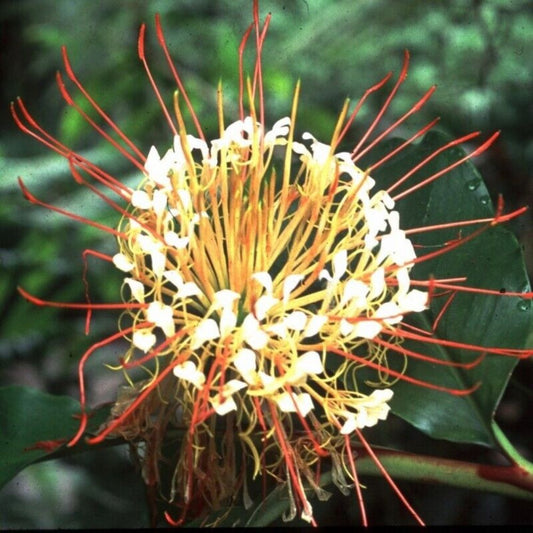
(262, 274)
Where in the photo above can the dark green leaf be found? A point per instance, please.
(493, 260)
(30, 422)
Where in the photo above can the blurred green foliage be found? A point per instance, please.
(476, 51)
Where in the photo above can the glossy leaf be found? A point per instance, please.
(34, 425)
(493, 260)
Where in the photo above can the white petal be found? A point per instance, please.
(246, 364)
(346, 328)
(266, 379)
(161, 315)
(233, 385)
(174, 277)
(350, 425)
(152, 161)
(265, 280)
(415, 301)
(122, 262)
(389, 312)
(205, 331)
(324, 274)
(356, 290)
(295, 320)
(143, 339)
(173, 239)
(367, 329)
(224, 299)
(310, 363)
(314, 325)
(340, 263)
(185, 199)
(158, 263)
(188, 372)
(382, 395)
(141, 200)
(228, 320)
(224, 407)
(253, 335)
(377, 283)
(263, 304)
(159, 200)
(136, 288)
(292, 403)
(147, 244)
(290, 284)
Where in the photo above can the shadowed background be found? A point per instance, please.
(475, 51)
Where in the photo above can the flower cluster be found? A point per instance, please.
(261, 276)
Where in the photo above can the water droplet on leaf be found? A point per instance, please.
(472, 185)
(524, 305)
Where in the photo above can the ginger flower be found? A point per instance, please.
(261, 273)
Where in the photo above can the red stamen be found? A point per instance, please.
(32, 199)
(384, 107)
(406, 143)
(163, 44)
(386, 475)
(99, 255)
(81, 380)
(70, 101)
(403, 377)
(357, 487)
(140, 49)
(47, 303)
(429, 359)
(360, 103)
(519, 354)
(98, 109)
(241, 70)
(445, 170)
(414, 109)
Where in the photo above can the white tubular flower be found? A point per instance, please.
(143, 339)
(123, 263)
(370, 410)
(185, 289)
(136, 288)
(301, 403)
(188, 371)
(222, 402)
(162, 316)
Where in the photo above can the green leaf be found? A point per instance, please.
(493, 260)
(29, 417)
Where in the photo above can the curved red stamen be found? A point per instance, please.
(414, 109)
(163, 44)
(384, 107)
(386, 475)
(32, 199)
(357, 487)
(70, 73)
(402, 146)
(99, 255)
(446, 169)
(241, 69)
(140, 48)
(360, 103)
(517, 353)
(403, 377)
(417, 355)
(70, 101)
(66, 305)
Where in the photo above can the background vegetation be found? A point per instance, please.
(476, 51)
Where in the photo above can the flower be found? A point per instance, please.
(262, 276)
